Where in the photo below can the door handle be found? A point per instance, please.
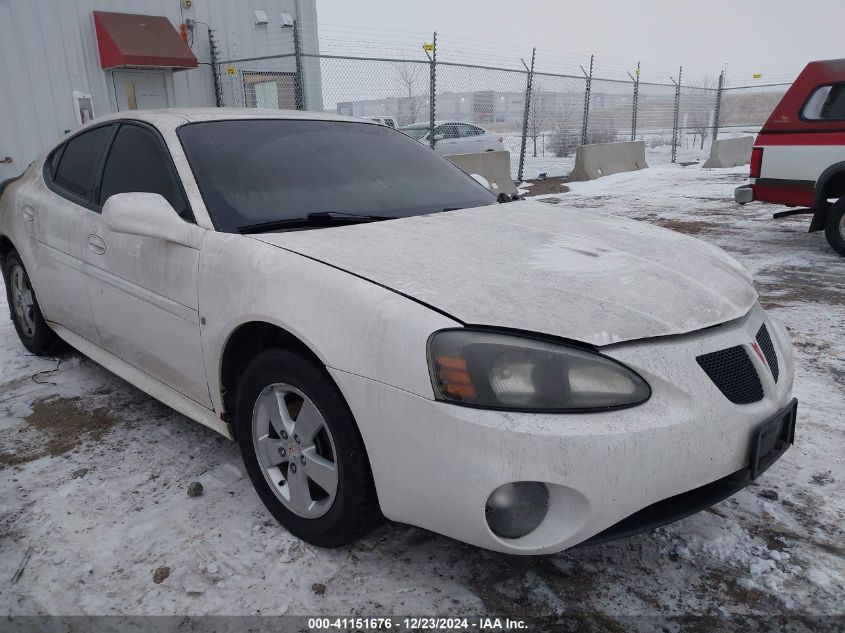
(28, 213)
(96, 244)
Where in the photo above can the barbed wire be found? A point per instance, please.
(340, 39)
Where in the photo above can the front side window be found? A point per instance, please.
(448, 130)
(137, 162)
(256, 171)
(827, 103)
(79, 161)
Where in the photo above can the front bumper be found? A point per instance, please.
(744, 194)
(688, 503)
(435, 464)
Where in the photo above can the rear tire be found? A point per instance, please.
(311, 471)
(834, 226)
(30, 325)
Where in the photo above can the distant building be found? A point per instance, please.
(488, 108)
(482, 106)
(63, 62)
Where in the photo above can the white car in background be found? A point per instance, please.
(383, 120)
(381, 337)
(455, 137)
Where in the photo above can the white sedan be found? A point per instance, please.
(455, 137)
(382, 338)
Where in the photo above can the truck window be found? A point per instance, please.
(827, 103)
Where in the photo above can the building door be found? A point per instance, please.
(270, 90)
(140, 90)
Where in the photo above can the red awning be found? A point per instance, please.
(132, 40)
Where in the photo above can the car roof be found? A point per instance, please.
(180, 116)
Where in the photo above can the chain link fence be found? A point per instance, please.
(541, 117)
(745, 108)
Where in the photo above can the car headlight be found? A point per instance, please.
(503, 371)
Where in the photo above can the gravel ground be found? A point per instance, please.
(93, 477)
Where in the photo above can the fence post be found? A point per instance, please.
(718, 108)
(215, 69)
(634, 106)
(526, 113)
(432, 88)
(299, 86)
(675, 130)
(586, 119)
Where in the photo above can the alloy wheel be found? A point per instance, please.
(23, 302)
(295, 450)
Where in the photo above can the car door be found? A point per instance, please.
(143, 290)
(59, 211)
(448, 145)
(469, 141)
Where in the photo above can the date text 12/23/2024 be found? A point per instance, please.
(418, 624)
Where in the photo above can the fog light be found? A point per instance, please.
(515, 509)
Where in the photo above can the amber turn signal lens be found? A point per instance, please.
(454, 378)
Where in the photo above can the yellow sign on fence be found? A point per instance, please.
(428, 47)
(231, 70)
(757, 75)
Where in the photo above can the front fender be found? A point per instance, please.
(349, 323)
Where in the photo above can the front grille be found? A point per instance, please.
(765, 343)
(733, 373)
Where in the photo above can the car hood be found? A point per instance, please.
(542, 268)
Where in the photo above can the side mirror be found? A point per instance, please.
(149, 215)
(438, 137)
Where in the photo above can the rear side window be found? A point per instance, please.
(138, 162)
(827, 103)
(53, 161)
(469, 130)
(79, 161)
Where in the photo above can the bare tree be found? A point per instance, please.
(536, 113)
(701, 120)
(565, 137)
(409, 76)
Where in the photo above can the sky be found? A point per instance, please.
(772, 37)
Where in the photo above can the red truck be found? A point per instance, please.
(798, 158)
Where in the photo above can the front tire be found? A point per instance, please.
(834, 226)
(30, 325)
(302, 450)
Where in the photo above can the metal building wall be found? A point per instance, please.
(48, 50)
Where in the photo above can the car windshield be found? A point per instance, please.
(415, 132)
(269, 170)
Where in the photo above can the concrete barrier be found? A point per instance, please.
(730, 152)
(494, 167)
(602, 159)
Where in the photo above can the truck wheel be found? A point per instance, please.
(834, 226)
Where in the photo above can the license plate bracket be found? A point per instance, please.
(772, 438)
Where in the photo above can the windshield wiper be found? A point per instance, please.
(342, 216)
(316, 218)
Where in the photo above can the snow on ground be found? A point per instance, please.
(94, 477)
